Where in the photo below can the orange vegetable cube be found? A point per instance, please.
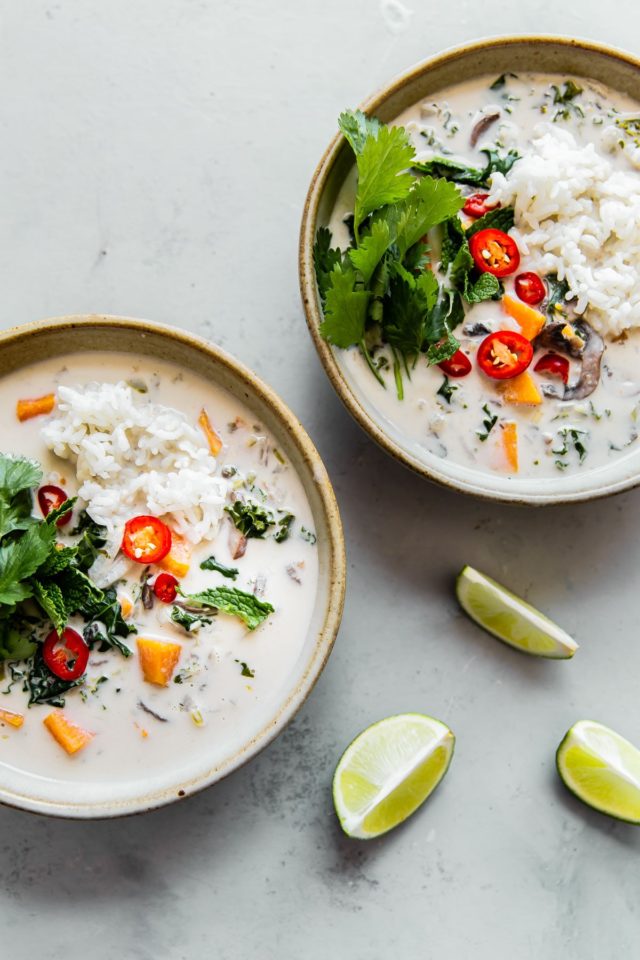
(531, 321)
(126, 606)
(521, 389)
(177, 560)
(214, 441)
(13, 719)
(509, 432)
(68, 734)
(158, 659)
(25, 409)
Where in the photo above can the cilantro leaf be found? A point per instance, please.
(367, 256)
(19, 559)
(356, 126)
(16, 474)
(383, 175)
(345, 310)
(325, 259)
(430, 202)
(212, 564)
(246, 606)
(405, 314)
(16, 643)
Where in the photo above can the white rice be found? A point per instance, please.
(136, 457)
(578, 215)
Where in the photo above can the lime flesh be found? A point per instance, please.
(602, 769)
(510, 619)
(388, 771)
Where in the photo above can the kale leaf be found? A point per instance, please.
(188, 621)
(212, 564)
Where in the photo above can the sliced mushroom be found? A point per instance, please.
(585, 345)
(482, 126)
(237, 543)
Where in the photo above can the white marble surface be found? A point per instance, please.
(154, 161)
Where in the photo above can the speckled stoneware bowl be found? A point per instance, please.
(492, 56)
(66, 798)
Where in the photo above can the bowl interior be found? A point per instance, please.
(494, 56)
(62, 797)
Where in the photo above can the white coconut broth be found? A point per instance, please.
(229, 678)
(605, 422)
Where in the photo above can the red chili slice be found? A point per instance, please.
(65, 656)
(494, 252)
(146, 539)
(165, 587)
(554, 365)
(530, 288)
(476, 205)
(50, 498)
(504, 354)
(458, 365)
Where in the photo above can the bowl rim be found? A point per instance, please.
(309, 292)
(336, 578)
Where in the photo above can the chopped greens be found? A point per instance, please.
(189, 621)
(571, 438)
(250, 518)
(488, 423)
(245, 670)
(237, 603)
(564, 98)
(308, 535)
(446, 389)
(212, 564)
(558, 290)
(459, 172)
(285, 520)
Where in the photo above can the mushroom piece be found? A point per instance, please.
(482, 126)
(586, 345)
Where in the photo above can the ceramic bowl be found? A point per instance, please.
(72, 798)
(492, 56)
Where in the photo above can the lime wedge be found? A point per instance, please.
(388, 771)
(510, 619)
(602, 769)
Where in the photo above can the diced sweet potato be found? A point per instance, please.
(126, 606)
(13, 719)
(521, 389)
(68, 734)
(25, 409)
(177, 560)
(158, 659)
(214, 441)
(530, 321)
(509, 432)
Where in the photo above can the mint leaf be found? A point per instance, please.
(486, 287)
(368, 254)
(325, 259)
(50, 598)
(502, 218)
(443, 349)
(383, 175)
(246, 606)
(355, 126)
(250, 518)
(58, 560)
(212, 564)
(345, 310)
(19, 559)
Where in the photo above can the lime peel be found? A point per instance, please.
(602, 769)
(510, 619)
(388, 771)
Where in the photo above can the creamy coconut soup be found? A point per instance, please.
(479, 276)
(166, 609)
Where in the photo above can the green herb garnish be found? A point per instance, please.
(488, 423)
(189, 621)
(237, 603)
(250, 518)
(446, 389)
(212, 564)
(246, 671)
(564, 98)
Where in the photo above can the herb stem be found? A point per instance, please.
(367, 356)
(397, 374)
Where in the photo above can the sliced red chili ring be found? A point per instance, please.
(476, 205)
(65, 656)
(458, 365)
(554, 365)
(495, 252)
(504, 354)
(165, 587)
(530, 288)
(51, 498)
(146, 539)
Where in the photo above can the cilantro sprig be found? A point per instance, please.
(379, 291)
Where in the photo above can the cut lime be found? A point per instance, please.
(388, 771)
(602, 769)
(510, 619)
